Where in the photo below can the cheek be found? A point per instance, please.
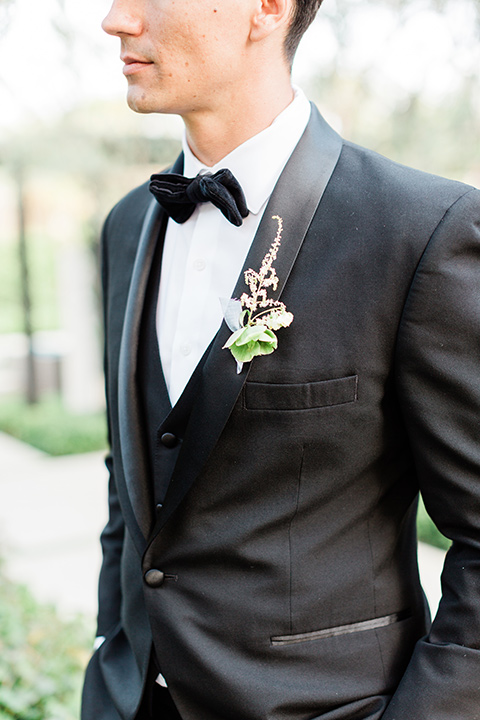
(196, 46)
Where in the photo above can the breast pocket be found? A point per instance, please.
(301, 396)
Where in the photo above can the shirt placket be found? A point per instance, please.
(195, 311)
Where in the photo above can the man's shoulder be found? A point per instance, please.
(121, 233)
(383, 180)
(394, 204)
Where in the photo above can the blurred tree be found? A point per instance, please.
(414, 92)
(86, 166)
(31, 391)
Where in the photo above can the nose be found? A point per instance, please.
(122, 19)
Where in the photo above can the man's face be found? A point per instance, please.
(181, 56)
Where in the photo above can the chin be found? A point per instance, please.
(148, 99)
(139, 102)
(142, 102)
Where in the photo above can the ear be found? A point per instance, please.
(270, 16)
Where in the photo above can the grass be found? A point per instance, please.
(48, 426)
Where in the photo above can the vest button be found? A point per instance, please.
(169, 440)
(154, 578)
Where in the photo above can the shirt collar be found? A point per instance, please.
(259, 161)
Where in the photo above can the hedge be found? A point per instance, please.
(48, 426)
(42, 658)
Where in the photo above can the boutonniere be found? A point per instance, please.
(255, 317)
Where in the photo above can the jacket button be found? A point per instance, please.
(169, 440)
(154, 578)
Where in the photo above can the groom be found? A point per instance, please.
(260, 556)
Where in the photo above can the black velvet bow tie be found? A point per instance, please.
(179, 195)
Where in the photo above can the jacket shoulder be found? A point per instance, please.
(391, 210)
(385, 181)
(120, 237)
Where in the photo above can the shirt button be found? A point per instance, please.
(154, 578)
(185, 349)
(199, 264)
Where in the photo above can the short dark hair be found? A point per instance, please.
(303, 14)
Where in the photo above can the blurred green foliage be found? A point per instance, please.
(42, 658)
(48, 426)
(427, 532)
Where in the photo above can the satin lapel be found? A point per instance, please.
(295, 198)
(132, 439)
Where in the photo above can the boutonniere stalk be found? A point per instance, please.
(255, 317)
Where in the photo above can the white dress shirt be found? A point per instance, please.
(203, 256)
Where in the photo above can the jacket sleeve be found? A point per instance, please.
(109, 589)
(438, 380)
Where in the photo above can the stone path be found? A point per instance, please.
(51, 513)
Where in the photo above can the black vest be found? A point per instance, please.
(164, 426)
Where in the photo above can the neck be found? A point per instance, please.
(213, 134)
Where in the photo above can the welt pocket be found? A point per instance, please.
(301, 396)
(373, 624)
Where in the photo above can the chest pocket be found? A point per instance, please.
(301, 396)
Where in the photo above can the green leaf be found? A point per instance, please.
(266, 348)
(233, 338)
(251, 333)
(244, 353)
(244, 350)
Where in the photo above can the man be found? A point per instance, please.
(260, 557)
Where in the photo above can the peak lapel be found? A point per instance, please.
(295, 198)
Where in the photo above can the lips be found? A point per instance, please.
(134, 64)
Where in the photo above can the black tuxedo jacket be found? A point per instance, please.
(287, 535)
